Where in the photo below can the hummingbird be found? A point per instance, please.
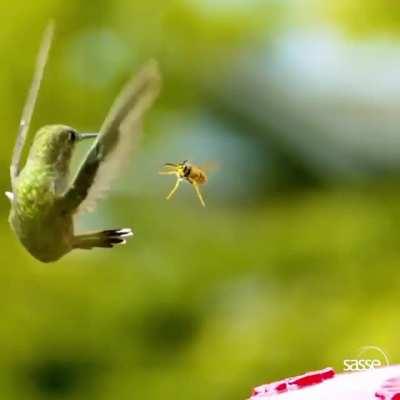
(44, 197)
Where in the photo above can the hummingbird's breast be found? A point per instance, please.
(41, 226)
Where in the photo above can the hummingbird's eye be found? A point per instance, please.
(72, 136)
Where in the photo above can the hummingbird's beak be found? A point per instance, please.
(83, 136)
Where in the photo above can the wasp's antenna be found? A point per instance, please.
(170, 169)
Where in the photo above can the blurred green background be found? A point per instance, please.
(294, 264)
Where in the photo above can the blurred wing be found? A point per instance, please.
(210, 166)
(31, 101)
(118, 134)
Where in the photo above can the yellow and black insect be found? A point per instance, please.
(193, 174)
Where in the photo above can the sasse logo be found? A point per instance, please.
(377, 358)
(361, 365)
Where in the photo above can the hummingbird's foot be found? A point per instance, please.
(107, 239)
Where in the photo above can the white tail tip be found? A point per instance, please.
(124, 233)
(9, 195)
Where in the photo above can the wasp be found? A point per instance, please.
(191, 173)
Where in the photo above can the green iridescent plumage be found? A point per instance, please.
(44, 200)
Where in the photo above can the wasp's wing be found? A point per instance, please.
(210, 166)
(115, 141)
(30, 102)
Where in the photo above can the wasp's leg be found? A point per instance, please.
(197, 189)
(174, 189)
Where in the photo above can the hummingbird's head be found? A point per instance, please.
(54, 144)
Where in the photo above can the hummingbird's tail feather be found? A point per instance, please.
(108, 238)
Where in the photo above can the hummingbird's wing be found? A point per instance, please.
(115, 141)
(30, 102)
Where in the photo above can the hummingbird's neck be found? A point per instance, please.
(56, 159)
(60, 158)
